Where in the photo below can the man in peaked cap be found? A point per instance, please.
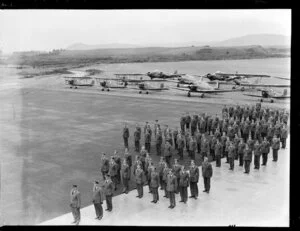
(98, 200)
(75, 204)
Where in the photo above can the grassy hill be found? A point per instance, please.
(148, 54)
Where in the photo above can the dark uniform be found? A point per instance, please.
(149, 172)
(128, 159)
(148, 141)
(205, 149)
(172, 188)
(118, 162)
(213, 142)
(125, 136)
(193, 148)
(139, 179)
(183, 185)
(207, 173)
(247, 159)
(159, 141)
(113, 172)
(98, 195)
(231, 155)
(108, 191)
(180, 141)
(137, 138)
(283, 136)
(223, 142)
(154, 184)
(188, 121)
(194, 178)
(275, 147)
(104, 166)
(168, 153)
(240, 152)
(218, 153)
(198, 141)
(246, 130)
(202, 126)
(227, 144)
(176, 170)
(161, 166)
(175, 134)
(265, 149)
(257, 154)
(125, 177)
(165, 178)
(193, 125)
(236, 142)
(182, 123)
(75, 204)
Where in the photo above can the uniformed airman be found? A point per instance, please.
(75, 204)
(183, 184)
(275, 147)
(137, 138)
(218, 153)
(125, 135)
(257, 154)
(247, 158)
(108, 191)
(172, 188)
(125, 172)
(194, 178)
(154, 184)
(240, 151)
(97, 199)
(104, 165)
(265, 149)
(139, 180)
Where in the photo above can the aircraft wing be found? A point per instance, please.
(253, 95)
(206, 91)
(264, 85)
(244, 75)
(134, 74)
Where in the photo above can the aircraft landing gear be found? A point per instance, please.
(242, 89)
(178, 85)
(202, 95)
(75, 87)
(140, 92)
(102, 89)
(261, 100)
(107, 89)
(272, 101)
(189, 94)
(147, 92)
(233, 88)
(71, 87)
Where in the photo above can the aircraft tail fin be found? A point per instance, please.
(218, 84)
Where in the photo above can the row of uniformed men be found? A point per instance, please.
(172, 180)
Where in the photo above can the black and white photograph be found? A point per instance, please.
(145, 117)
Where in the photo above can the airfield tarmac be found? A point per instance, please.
(52, 137)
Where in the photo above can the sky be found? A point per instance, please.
(24, 30)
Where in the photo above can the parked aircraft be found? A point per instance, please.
(195, 85)
(107, 83)
(230, 76)
(79, 82)
(149, 86)
(270, 94)
(156, 75)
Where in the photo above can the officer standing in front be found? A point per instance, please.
(108, 191)
(247, 158)
(172, 188)
(154, 184)
(75, 204)
(98, 200)
(207, 173)
(125, 172)
(275, 147)
(194, 178)
(183, 185)
(139, 179)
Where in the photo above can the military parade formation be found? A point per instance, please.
(238, 134)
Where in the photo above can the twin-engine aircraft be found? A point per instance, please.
(270, 94)
(75, 82)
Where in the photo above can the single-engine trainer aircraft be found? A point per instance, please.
(270, 94)
(149, 86)
(107, 83)
(79, 82)
(156, 75)
(200, 86)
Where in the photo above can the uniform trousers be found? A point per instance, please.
(183, 193)
(275, 154)
(154, 191)
(194, 189)
(109, 202)
(98, 209)
(76, 213)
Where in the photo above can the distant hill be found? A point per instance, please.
(148, 54)
(256, 39)
(81, 46)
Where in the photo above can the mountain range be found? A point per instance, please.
(266, 40)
